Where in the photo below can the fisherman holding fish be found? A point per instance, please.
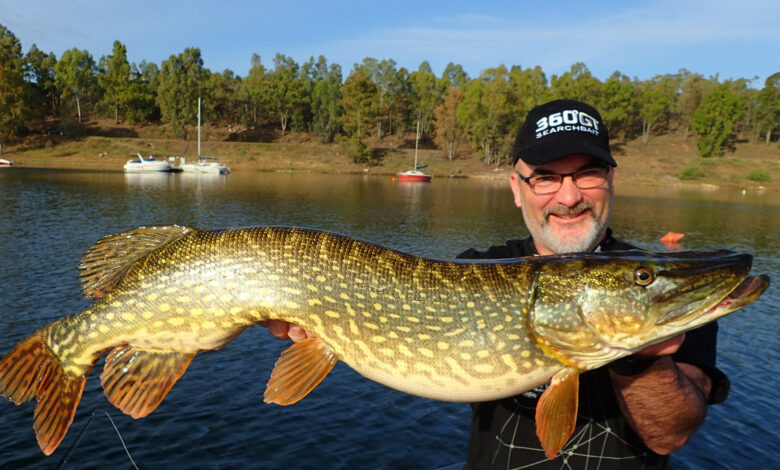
(633, 412)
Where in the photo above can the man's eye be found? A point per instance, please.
(546, 179)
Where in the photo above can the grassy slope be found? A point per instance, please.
(103, 146)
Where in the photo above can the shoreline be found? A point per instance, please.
(660, 163)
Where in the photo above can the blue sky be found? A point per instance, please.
(733, 39)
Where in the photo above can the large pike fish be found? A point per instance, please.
(455, 331)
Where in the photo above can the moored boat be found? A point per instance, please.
(4, 162)
(415, 176)
(146, 165)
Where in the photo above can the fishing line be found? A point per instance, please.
(81, 434)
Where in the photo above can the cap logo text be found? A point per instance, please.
(568, 120)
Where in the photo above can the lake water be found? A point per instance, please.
(215, 418)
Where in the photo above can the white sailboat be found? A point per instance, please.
(415, 176)
(207, 165)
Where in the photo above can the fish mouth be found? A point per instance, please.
(745, 293)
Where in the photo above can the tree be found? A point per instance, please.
(114, 77)
(656, 99)
(449, 133)
(454, 76)
(285, 92)
(181, 81)
(40, 74)
(326, 103)
(427, 94)
(714, 121)
(617, 103)
(76, 76)
(486, 113)
(527, 88)
(359, 102)
(693, 87)
(576, 84)
(767, 118)
(385, 77)
(14, 93)
(250, 91)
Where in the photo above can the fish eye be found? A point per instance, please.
(644, 276)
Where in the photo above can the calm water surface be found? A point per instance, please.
(214, 417)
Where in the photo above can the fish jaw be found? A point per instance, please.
(612, 306)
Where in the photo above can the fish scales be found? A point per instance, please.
(458, 331)
(438, 329)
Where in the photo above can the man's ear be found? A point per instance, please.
(514, 183)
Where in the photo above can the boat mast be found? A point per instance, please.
(198, 128)
(416, 141)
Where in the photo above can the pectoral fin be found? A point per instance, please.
(300, 368)
(556, 411)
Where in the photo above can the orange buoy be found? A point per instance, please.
(395, 179)
(672, 237)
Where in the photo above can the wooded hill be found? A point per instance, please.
(377, 99)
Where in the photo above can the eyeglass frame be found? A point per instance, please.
(527, 180)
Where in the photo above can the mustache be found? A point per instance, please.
(563, 211)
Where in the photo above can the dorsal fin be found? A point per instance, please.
(110, 258)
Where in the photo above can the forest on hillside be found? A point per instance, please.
(376, 99)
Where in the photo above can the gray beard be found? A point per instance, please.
(547, 237)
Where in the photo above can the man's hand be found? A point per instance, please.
(666, 403)
(286, 330)
(664, 348)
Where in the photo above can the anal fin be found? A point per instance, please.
(299, 369)
(32, 370)
(137, 381)
(556, 411)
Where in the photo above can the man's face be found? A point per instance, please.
(571, 219)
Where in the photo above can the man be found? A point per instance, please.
(633, 411)
(636, 410)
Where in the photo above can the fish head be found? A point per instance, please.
(590, 309)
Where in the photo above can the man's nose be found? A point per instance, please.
(569, 195)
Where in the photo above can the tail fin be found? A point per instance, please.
(32, 370)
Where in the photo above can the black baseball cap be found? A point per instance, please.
(559, 128)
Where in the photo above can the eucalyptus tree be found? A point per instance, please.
(76, 77)
(384, 74)
(576, 84)
(181, 81)
(767, 119)
(250, 91)
(285, 91)
(427, 94)
(454, 76)
(326, 100)
(527, 88)
(693, 87)
(359, 100)
(222, 88)
(14, 92)
(114, 77)
(449, 132)
(617, 103)
(486, 114)
(657, 98)
(40, 74)
(714, 121)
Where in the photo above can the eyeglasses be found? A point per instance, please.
(551, 182)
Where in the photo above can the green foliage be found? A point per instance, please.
(14, 92)
(449, 132)
(359, 102)
(114, 77)
(182, 79)
(358, 150)
(617, 103)
(326, 103)
(75, 74)
(767, 112)
(40, 74)
(284, 91)
(758, 176)
(690, 173)
(714, 121)
(656, 100)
